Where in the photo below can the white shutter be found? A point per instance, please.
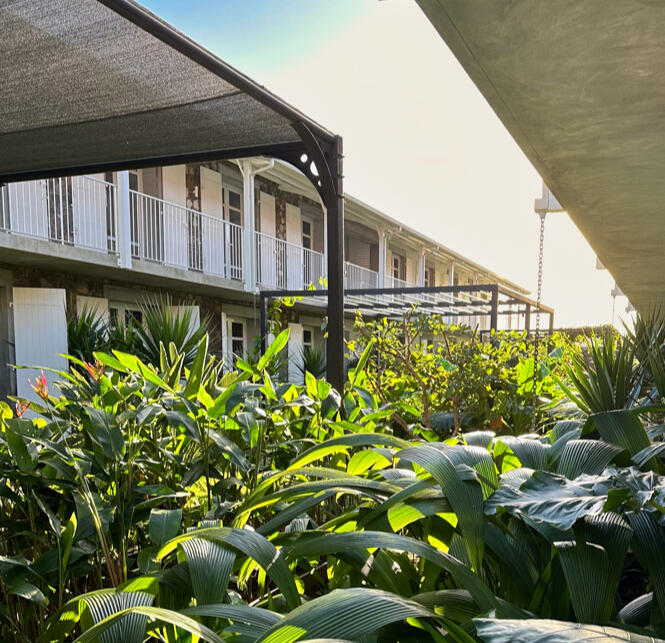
(40, 334)
(295, 349)
(98, 305)
(176, 230)
(294, 254)
(211, 225)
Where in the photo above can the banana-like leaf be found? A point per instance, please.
(546, 630)
(638, 611)
(455, 604)
(586, 456)
(210, 566)
(251, 544)
(652, 451)
(163, 524)
(344, 613)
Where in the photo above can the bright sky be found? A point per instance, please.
(420, 142)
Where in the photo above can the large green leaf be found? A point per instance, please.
(332, 543)
(622, 428)
(586, 456)
(549, 631)
(454, 468)
(344, 613)
(126, 629)
(164, 524)
(251, 544)
(552, 499)
(210, 566)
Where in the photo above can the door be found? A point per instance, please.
(212, 227)
(233, 233)
(294, 255)
(40, 335)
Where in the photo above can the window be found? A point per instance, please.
(307, 234)
(232, 206)
(308, 338)
(125, 315)
(237, 338)
(398, 267)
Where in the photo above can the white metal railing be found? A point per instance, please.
(77, 210)
(358, 277)
(284, 265)
(394, 282)
(174, 235)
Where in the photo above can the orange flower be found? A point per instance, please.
(21, 408)
(95, 371)
(41, 387)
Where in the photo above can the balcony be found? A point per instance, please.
(173, 235)
(286, 266)
(75, 211)
(394, 282)
(359, 277)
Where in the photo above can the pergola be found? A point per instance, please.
(451, 302)
(103, 85)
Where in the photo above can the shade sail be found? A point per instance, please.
(581, 88)
(97, 84)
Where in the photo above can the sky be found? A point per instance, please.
(420, 142)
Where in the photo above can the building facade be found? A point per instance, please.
(211, 235)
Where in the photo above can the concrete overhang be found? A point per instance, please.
(581, 88)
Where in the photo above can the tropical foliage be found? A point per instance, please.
(159, 502)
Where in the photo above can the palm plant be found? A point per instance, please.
(163, 325)
(312, 360)
(603, 375)
(87, 332)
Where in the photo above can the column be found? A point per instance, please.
(452, 273)
(249, 219)
(382, 257)
(421, 268)
(123, 221)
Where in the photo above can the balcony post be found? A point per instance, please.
(421, 268)
(452, 273)
(382, 258)
(249, 221)
(123, 221)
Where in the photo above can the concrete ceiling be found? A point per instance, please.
(580, 85)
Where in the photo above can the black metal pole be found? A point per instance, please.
(335, 228)
(263, 322)
(494, 318)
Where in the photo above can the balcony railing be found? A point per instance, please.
(174, 235)
(394, 282)
(284, 265)
(77, 211)
(359, 277)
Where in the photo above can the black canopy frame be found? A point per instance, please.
(105, 85)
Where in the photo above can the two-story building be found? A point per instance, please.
(211, 235)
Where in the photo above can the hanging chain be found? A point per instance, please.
(536, 341)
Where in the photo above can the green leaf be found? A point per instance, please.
(25, 458)
(541, 630)
(275, 347)
(251, 544)
(164, 524)
(622, 428)
(210, 567)
(196, 372)
(344, 613)
(586, 456)
(27, 591)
